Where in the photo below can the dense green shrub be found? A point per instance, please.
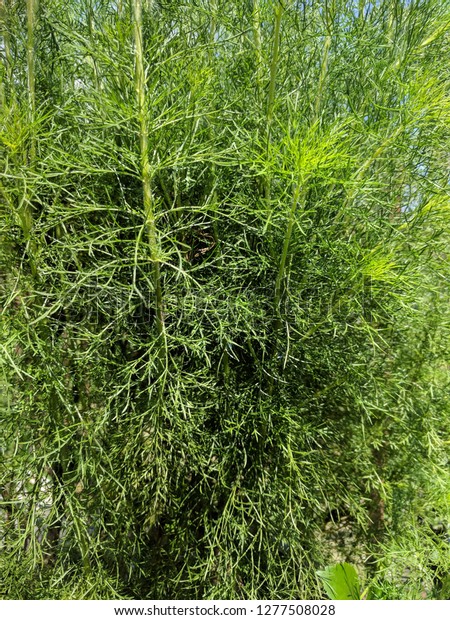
(224, 233)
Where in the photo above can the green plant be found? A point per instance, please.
(224, 318)
(341, 582)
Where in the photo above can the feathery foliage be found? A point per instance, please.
(224, 232)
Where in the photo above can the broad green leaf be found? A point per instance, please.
(341, 582)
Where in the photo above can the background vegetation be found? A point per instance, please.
(224, 335)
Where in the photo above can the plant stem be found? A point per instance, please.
(31, 80)
(213, 198)
(280, 281)
(146, 176)
(361, 7)
(26, 214)
(274, 64)
(271, 96)
(212, 34)
(92, 40)
(324, 63)
(256, 26)
(8, 82)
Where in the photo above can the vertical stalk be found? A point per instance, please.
(274, 64)
(391, 21)
(361, 7)
(31, 78)
(146, 176)
(263, 184)
(7, 82)
(281, 280)
(155, 439)
(271, 96)
(92, 41)
(267, 178)
(323, 73)
(300, 189)
(324, 63)
(26, 213)
(212, 34)
(224, 365)
(213, 27)
(256, 27)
